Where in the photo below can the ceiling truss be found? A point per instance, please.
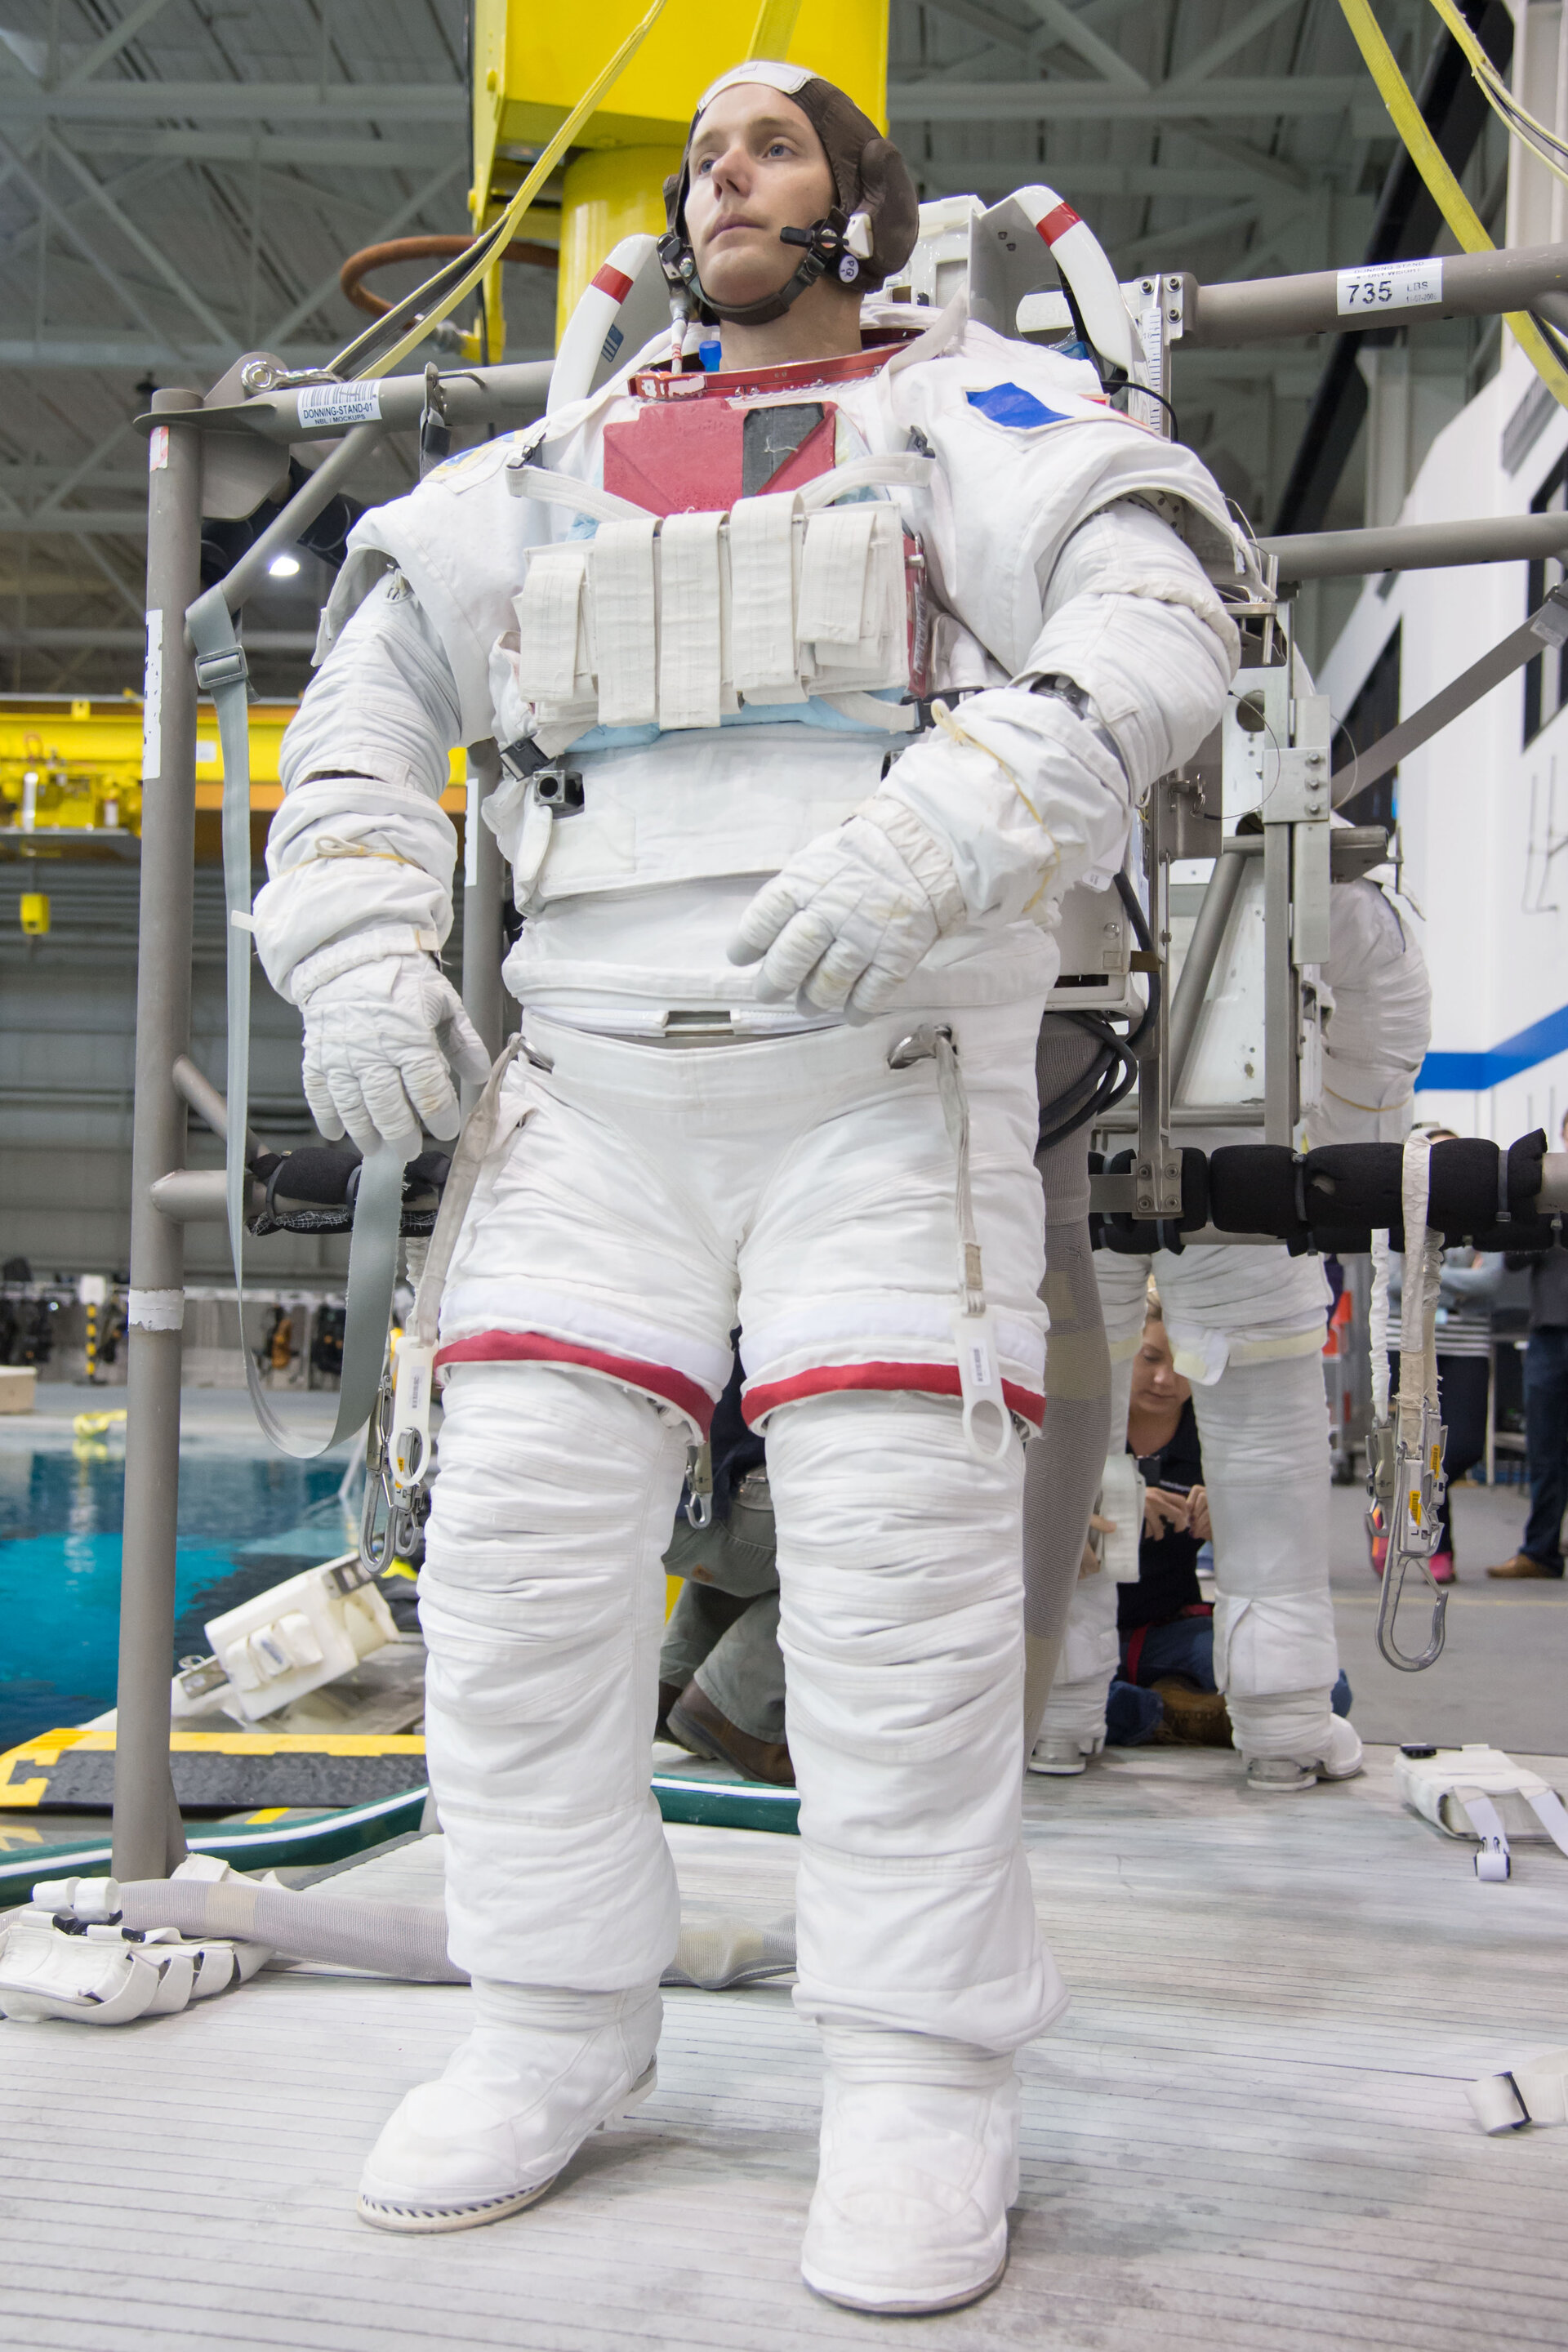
(181, 179)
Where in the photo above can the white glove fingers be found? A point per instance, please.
(356, 1118)
(465, 1049)
(768, 913)
(831, 981)
(459, 1039)
(428, 1087)
(796, 952)
(323, 1110)
(384, 1107)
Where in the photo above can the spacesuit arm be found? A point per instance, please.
(1022, 790)
(359, 889)
(1380, 1023)
(360, 855)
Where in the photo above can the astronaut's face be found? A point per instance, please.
(757, 166)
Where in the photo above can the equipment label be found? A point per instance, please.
(152, 700)
(1389, 286)
(340, 403)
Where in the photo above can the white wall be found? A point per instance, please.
(1492, 907)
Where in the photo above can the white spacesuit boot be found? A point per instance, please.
(539, 2073)
(1072, 1728)
(920, 2165)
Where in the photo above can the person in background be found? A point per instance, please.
(1164, 1685)
(721, 1671)
(1469, 1284)
(1545, 1411)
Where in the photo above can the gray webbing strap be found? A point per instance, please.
(378, 1205)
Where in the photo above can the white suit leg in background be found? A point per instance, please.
(1072, 1728)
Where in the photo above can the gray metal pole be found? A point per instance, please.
(1419, 546)
(148, 1840)
(1474, 284)
(1279, 990)
(481, 912)
(1197, 969)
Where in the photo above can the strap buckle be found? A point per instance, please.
(227, 667)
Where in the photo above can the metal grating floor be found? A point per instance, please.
(1250, 2131)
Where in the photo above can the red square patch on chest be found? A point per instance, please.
(698, 456)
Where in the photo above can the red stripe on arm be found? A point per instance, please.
(617, 285)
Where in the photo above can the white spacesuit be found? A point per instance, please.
(1246, 1326)
(710, 1125)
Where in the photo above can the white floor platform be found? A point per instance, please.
(1250, 2131)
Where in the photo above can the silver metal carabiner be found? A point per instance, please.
(1408, 1491)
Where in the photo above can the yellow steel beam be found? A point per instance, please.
(81, 769)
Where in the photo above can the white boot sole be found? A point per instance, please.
(384, 2213)
(899, 2306)
(1280, 1784)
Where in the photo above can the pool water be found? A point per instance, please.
(248, 1518)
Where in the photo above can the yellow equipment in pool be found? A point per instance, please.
(530, 66)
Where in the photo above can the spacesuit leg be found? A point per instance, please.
(920, 1955)
(542, 1603)
(1262, 1415)
(1072, 1723)
(1062, 1466)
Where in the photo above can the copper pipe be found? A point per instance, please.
(423, 248)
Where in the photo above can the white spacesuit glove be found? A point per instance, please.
(383, 1042)
(852, 915)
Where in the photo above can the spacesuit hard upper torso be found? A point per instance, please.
(771, 694)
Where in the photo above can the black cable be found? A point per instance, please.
(1147, 391)
(1111, 1076)
(1104, 1088)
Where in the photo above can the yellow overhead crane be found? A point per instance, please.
(531, 67)
(70, 773)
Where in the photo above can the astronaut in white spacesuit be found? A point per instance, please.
(747, 882)
(1246, 1326)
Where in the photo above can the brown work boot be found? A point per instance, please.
(1193, 1719)
(667, 1694)
(697, 1724)
(1522, 1564)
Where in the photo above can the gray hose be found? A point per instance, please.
(397, 1939)
(1063, 1467)
(408, 1940)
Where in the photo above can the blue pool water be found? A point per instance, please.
(247, 1519)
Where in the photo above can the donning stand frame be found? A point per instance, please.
(222, 455)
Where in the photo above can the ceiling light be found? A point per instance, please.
(284, 567)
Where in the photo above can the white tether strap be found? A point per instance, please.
(1419, 1304)
(378, 1203)
(554, 490)
(1378, 1325)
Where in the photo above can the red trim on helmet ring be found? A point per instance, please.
(931, 1380)
(791, 375)
(534, 1348)
(1057, 223)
